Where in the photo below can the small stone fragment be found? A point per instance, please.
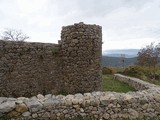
(21, 108)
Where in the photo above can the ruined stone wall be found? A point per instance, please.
(73, 65)
(27, 69)
(81, 56)
(142, 104)
(134, 82)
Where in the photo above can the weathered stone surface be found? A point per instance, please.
(110, 105)
(49, 96)
(68, 102)
(46, 115)
(128, 97)
(23, 99)
(133, 114)
(2, 99)
(75, 101)
(50, 103)
(40, 97)
(19, 101)
(34, 106)
(13, 114)
(7, 106)
(106, 116)
(26, 114)
(34, 115)
(125, 116)
(53, 116)
(87, 95)
(21, 108)
(65, 111)
(11, 99)
(104, 100)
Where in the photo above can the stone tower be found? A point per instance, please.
(81, 46)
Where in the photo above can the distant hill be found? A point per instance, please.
(117, 61)
(129, 53)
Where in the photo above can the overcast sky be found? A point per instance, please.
(125, 23)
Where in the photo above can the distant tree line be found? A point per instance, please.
(149, 56)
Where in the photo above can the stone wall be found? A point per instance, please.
(134, 82)
(144, 103)
(73, 65)
(81, 54)
(27, 69)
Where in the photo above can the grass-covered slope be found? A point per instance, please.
(111, 84)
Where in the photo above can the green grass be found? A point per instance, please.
(111, 84)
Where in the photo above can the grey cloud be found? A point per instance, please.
(121, 19)
(91, 8)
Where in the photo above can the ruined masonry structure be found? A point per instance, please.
(72, 66)
(143, 104)
(81, 55)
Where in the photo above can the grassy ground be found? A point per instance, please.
(156, 82)
(110, 84)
